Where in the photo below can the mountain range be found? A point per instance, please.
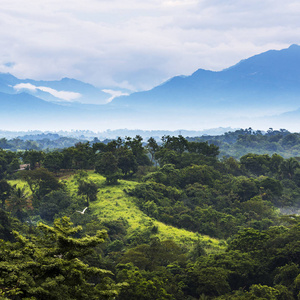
(261, 91)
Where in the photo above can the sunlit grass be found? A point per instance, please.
(113, 203)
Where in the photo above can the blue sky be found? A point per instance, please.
(137, 44)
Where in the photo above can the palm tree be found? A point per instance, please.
(288, 167)
(19, 202)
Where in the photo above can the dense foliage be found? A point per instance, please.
(181, 182)
(243, 141)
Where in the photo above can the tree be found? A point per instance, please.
(287, 274)
(5, 189)
(138, 150)
(89, 189)
(257, 164)
(258, 209)
(200, 174)
(41, 182)
(244, 187)
(178, 144)
(248, 240)
(258, 291)
(7, 225)
(275, 162)
(107, 165)
(19, 202)
(139, 286)
(53, 161)
(33, 158)
(152, 147)
(126, 161)
(83, 156)
(204, 148)
(50, 266)
(288, 167)
(9, 162)
(212, 281)
(54, 203)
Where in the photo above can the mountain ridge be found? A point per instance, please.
(249, 72)
(256, 90)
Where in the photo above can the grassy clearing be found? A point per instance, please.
(114, 203)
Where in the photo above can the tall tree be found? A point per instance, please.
(41, 182)
(33, 158)
(19, 202)
(89, 189)
(53, 161)
(5, 189)
(152, 147)
(107, 165)
(50, 267)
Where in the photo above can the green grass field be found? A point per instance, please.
(114, 203)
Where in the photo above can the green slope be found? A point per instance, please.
(114, 203)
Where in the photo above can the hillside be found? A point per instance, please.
(192, 226)
(113, 203)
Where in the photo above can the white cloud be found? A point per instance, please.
(114, 94)
(138, 43)
(25, 86)
(63, 95)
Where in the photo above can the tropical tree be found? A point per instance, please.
(50, 266)
(41, 182)
(139, 286)
(288, 167)
(5, 189)
(19, 202)
(126, 161)
(89, 189)
(53, 161)
(152, 147)
(107, 165)
(33, 158)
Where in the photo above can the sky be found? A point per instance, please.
(138, 44)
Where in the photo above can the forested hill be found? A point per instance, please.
(135, 220)
(240, 142)
(232, 143)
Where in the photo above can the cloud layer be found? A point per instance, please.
(136, 44)
(62, 95)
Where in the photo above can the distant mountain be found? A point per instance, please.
(62, 90)
(108, 134)
(88, 93)
(25, 103)
(262, 91)
(23, 110)
(267, 83)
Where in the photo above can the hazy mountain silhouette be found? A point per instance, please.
(270, 78)
(87, 93)
(259, 90)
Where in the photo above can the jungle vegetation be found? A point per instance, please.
(134, 219)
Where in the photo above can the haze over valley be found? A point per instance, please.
(260, 92)
(149, 150)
